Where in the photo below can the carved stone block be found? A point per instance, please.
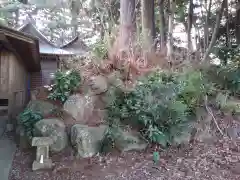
(42, 155)
(47, 164)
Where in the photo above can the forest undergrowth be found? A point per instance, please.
(177, 108)
(161, 100)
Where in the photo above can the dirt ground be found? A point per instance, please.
(216, 160)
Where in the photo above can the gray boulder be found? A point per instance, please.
(55, 129)
(128, 140)
(79, 107)
(43, 107)
(86, 140)
(98, 84)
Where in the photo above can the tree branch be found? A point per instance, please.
(213, 118)
(215, 32)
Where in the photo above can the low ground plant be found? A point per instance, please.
(226, 77)
(27, 119)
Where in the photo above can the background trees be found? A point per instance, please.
(208, 27)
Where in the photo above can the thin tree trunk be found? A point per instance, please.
(189, 28)
(227, 36)
(197, 44)
(170, 30)
(206, 32)
(102, 31)
(127, 23)
(227, 25)
(148, 24)
(166, 15)
(215, 32)
(75, 8)
(162, 24)
(237, 22)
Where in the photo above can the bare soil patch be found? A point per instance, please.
(216, 160)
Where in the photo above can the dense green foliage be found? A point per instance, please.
(226, 77)
(195, 86)
(64, 84)
(226, 54)
(160, 106)
(27, 119)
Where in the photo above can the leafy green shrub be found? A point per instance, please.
(27, 119)
(160, 106)
(227, 54)
(227, 103)
(226, 77)
(64, 84)
(195, 87)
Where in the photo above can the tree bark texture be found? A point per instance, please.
(189, 28)
(148, 24)
(206, 26)
(170, 30)
(162, 25)
(237, 22)
(127, 23)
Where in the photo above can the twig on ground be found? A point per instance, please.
(155, 167)
(213, 118)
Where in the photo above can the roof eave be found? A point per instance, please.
(8, 32)
(43, 37)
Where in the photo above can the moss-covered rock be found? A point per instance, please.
(55, 129)
(45, 108)
(86, 140)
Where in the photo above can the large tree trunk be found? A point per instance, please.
(148, 24)
(189, 28)
(162, 24)
(170, 30)
(127, 24)
(215, 32)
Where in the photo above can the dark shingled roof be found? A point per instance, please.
(73, 47)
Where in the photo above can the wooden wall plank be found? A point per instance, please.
(13, 81)
(4, 72)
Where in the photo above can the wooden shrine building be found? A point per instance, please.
(28, 60)
(50, 54)
(19, 58)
